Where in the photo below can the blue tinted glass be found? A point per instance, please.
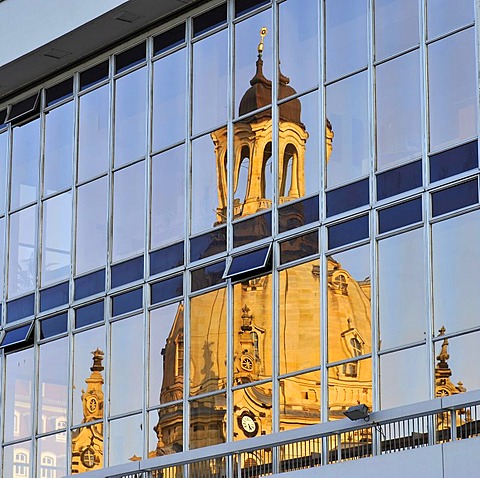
(347, 197)
(3, 116)
(53, 326)
(298, 214)
(89, 314)
(211, 19)
(348, 232)
(399, 180)
(454, 161)
(299, 247)
(123, 303)
(401, 215)
(54, 296)
(24, 107)
(244, 6)
(208, 244)
(250, 261)
(20, 308)
(253, 229)
(173, 37)
(450, 199)
(208, 276)
(59, 92)
(93, 75)
(127, 271)
(16, 336)
(167, 289)
(166, 258)
(129, 58)
(90, 284)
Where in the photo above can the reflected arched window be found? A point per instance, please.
(267, 172)
(242, 175)
(47, 466)
(351, 369)
(256, 347)
(287, 170)
(179, 355)
(356, 347)
(20, 464)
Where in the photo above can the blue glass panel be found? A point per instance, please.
(347, 197)
(59, 92)
(167, 289)
(16, 336)
(131, 57)
(89, 314)
(400, 215)
(253, 229)
(348, 232)
(127, 271)
(454, 161)
(251, 261)
(244, 6)
(54, 296)
(53, 326)
(123, 303)
(208, 244)
(166, 258)
(211, 19)
(298, 214)
(30, 105)
(208, 276)
(3, 118)
(299, 247)
(173, 37)
(454, 198)
(94, 75)
(19, 308)
(399, 180)
(90, 284)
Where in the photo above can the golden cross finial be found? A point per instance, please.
(263, 32)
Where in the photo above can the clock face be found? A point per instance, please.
(248, 425)
(247, 363)
(92, 404)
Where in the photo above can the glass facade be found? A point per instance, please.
(239, 223)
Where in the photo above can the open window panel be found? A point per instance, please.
(27, 107)
(248, 263)
(17, 336)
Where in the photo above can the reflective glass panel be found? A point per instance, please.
(453, 91)
(403, 214)
(22, 267)
(396, 26)
(444, 16)
(20, 308)
(166, 355)
(57, 233)
(399, 123)
(130, 117)
(348, 293)
(457, 197)
(128, 212)
(87, 445)
(299, 319)
(249, 262)
(126, 335)
(454, 161)
(207, 418)
(18, 395)
(348, 197)
(17, 336)
(2, 251)
(90, 284)
(347, 112)
(126, 439)
(52, 456)
(349, 384)
(253, 229)
(168, 197)
(25, 161)
(59, 92)
(402, 293)
(93, 133)
(169, 83)
(346, 36)
(28, 106)
(208, 244)
(348, 232)
(165, 431)
(52, 326)
(298, 214)
(3, 166)
(166, 258)
(208, 342)
(84, 344)
(127, 302)
(208, 276)
(54, 296)
(456, 303)
(252, 330)
(167, 289)
(17, 459)
(53, 385)
(169, 39)
(94, 75)
(399, 180)
(209, 20)
(404, 377)
(91, 240)
(210, 82)
(131, 57)
(128, 271)
(57, 172)
(89, 314)
(299, 247)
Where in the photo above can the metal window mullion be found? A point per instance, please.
(110, 182)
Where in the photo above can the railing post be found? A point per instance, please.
(453, 425)
(339, 447)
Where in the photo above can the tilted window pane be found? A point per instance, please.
(210, 82)
(22, 262)
(401, 272)
(3, 170)
(128, 211)
(208, 342)
(444, 16)
(18, 395)
(169, 85)
(53, 385)
(25, 162)
(347, 112)
(91, 240)
(57, 233)
(93, 133)
(57, 172)
(168, 197)
(126, 335)
(130, 116)
(299, 317)
(399, 122)
(125, 439)
(346, 36)
(453, 91)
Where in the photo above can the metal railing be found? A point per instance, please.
(389, 431)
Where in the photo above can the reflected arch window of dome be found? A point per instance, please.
(267, 172)
(356, 347)
(286, 185)
(242, 175)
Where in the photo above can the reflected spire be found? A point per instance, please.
(263, 33)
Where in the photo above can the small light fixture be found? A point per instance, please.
(356, 412)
